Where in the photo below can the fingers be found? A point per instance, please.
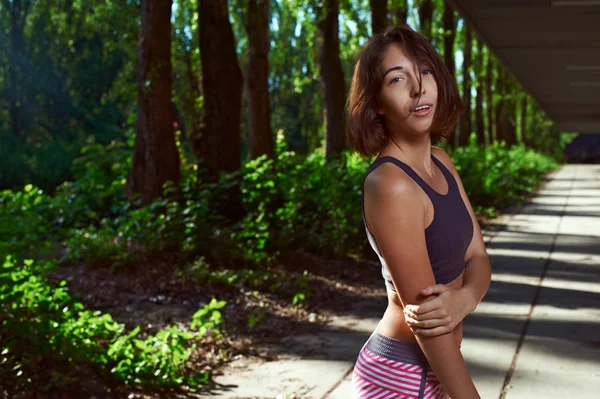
(434, 289)
(438, 313)
(430, 323)
(433, 332)
(424, 307)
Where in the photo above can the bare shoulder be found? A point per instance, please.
(389, 190)
(443, 156)
(389, 182)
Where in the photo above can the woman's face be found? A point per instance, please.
(399, 93)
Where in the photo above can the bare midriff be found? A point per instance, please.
(393, 325)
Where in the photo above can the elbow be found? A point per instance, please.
(482, 263)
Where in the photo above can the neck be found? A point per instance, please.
(416, 153)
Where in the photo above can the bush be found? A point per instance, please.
(40, 320)
(494, 175)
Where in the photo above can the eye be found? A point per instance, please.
(428, 70)
(396, 79)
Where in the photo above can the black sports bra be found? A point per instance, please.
(449, 234)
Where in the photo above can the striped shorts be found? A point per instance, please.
(388, 368)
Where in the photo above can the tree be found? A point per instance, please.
(18, 12)
(155, 156)
(489, 90)
(511, 109)
(505, 123)
(479, 119)
(260, 138)
(219, 144)
(449, 23)
(295, 90)
(425, 18)
(378, 15)
(465, 125)
(524, 120)
(332, 79)
(500, 108)
(449, 37)
(399, 9)
(187, 84)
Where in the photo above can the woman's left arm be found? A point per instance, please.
(448, 306)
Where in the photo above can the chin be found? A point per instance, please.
(424, 128)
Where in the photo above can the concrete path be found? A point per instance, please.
(535, 335)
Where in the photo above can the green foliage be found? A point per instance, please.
(295, 91)
(303, 287)
(23, 223)
(45, 166)
(73, 75)
(208, 318)
(31, 219)
(293, 201)
(39, 319)
(97, 246)
(494, 175)
(306, 204)
(179, 225)
(300, 203)
(201, 273)
(100, 173)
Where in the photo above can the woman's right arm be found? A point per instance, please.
(396, 216)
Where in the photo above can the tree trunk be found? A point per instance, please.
(511, 113)
(449, 36)
(489, 82)
(398, 9)
(479, 120)
(507, 110)
(425, 18)
(18, 14)
(219, 141)
(465, 126)
(501, 109)
(498, 110)
(524, 121)
(260, 138)
(13, 73)
(332, 82)
(155, 156)
(192, 111)
(378, 15)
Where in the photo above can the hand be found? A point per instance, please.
(439, 314)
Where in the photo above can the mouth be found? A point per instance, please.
(422, 110)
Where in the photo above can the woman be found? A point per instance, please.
(418, 220)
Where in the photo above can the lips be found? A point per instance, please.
(421, 105)
(423, 111)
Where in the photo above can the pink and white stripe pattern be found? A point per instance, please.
(376, 377)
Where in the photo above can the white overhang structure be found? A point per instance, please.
(552, 47)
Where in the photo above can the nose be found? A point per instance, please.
(415, 88)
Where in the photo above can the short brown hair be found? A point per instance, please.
(366, 129)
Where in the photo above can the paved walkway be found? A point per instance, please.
(535, 335)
